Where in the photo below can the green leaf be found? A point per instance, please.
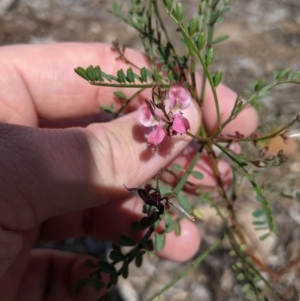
(176, 167)
(113, 279)
(149, 73)
(80, 285)
(259, 198)
(116, 8)
(169, 5)
(224, 9)
(136, 226)
(155, 76)
(243, 248)
(165, 68)
(130, 75)
(133, 253)
(256, 279)
(117, 256)
(246, 288)
(121, 76)
(258, 213)
(219, 20)
(107, 76)
(159, 241)
(90, 73)
(259, 85)
(106, 267)
(108, 109)
(232, 253)
(139, 260)
(240, 276)
(171, 76)
(275, 74)
(81, 72)
(264, 236)
(220, 39)
(296, 75)
(197, 175)
(261, 228)
(90, 264)
(193, 26)
(143, 75)
(164, 189)
(200, 41)
(149, 245)
(169, 223)
(96, 283)
(258, 223)
(116, 247)
(179, 12)
(120, 95)
(98, 74)
(209, 56)
(127, 241)
(214, 3)
(125, 270)
(250, 295)
(217, 77)
(183, 201)
(282, 74)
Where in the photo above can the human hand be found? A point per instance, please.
(58, 183)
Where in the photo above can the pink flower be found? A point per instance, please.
(180, 123)
(147, 116)
(171, 123)
(157, 135)
(179, 97)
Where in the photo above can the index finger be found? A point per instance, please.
(41, 83)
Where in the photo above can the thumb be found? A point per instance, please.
(50, 172)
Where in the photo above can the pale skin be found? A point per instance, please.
(58, 183)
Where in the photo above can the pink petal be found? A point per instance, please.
(180, 123)
(179, 96)
(146, 114)
(157, 135)
(236, 147)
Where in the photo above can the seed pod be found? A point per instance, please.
(209, 56)
(259, 163)
(262, 152)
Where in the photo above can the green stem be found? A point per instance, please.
(233, 114)
(193, 79)
(143, 86)
(265, 204)
(127, 102)
(189, 268)
(194, 51)
(150, 35)
(236, 246)
(210, 34)
(161, 23)
(185, 176)
(273, 134)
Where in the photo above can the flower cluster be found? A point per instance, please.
(171, 123)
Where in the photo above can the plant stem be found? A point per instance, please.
(189, 268)
(210, 34)
(185, 176)
(118, 85)
(127, 102)
(222, 192)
